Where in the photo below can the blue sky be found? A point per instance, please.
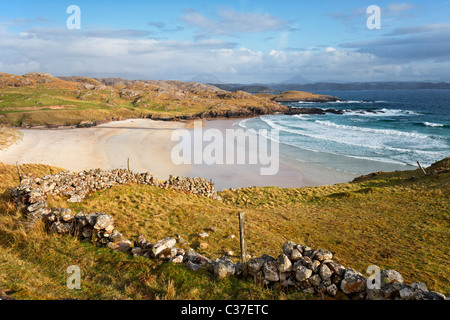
(236, 41)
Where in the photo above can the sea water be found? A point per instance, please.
(379, 130)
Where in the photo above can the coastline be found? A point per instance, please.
(291, 173)
(148, 145)
(107, 146)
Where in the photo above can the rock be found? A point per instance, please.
(81, 219)
(315, 280)
(325, 272)
(374, 294)
(297, 265)
(419, 286)
(36, 206)
(288, 247)
(193, 266)
(310, 254)
(91, 218)
(66, 215)
(213, 229)
(162, 245)
(322, 255)
(391, 291)
(407, 293)
(203, 245)
(284, 264)
(177, 259)
(223, 268)
(103, 221)
(296, 255)
(390, 276)
(75, 198)
(203, 235)
(87, 233)
(332, 290)
(314, 266)
(123, 245)
(137, 251)
(168, 253)
(254, 266)
(353, 282)
(228, 253)
(116, 236)
(112, 245)
(201, 260)
(270, 270)
(303, 273)
(336, 268)
(61, 228)
(433, 296)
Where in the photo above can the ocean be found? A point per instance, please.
(379, 130)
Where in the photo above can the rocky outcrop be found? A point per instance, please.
(296, 96)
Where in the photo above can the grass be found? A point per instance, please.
(59, 102)
(390, 219)
(9, 136)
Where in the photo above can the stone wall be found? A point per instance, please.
(298, 266)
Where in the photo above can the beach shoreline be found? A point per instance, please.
(148, 146)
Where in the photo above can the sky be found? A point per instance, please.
(236, 41)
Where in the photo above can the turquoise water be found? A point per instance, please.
(379, 130)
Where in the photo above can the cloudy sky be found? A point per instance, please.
(236, 41)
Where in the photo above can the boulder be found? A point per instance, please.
(303, 273)
(325, 272)
(162, 245)
(193, 266)
(103, 221)
(284, 264)
(296, 255)
(288, 247)
(332, 290)
(270, 270)
(224, 268)
(254, 266)
(390, 276)
(315, 280)
(353, 282)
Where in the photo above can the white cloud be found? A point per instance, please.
(229, 21)
(172, 59)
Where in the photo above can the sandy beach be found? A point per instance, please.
(148, 145)
(146, 142)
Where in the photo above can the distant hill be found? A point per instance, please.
(206, 78)
(277, 88)
(297, 80)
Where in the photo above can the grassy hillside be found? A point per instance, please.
(41, 99)
(396, 220)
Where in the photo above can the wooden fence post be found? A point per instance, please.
(243, 244)
(128, 163)
(422, 168)
(18, 171)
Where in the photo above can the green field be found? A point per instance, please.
(396, 220)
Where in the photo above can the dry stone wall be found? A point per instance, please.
(298, 266)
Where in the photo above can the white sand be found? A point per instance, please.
(148, 145)
(146, 142)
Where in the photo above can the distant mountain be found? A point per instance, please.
(277, 88)
(297, 80)
(206, 78)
